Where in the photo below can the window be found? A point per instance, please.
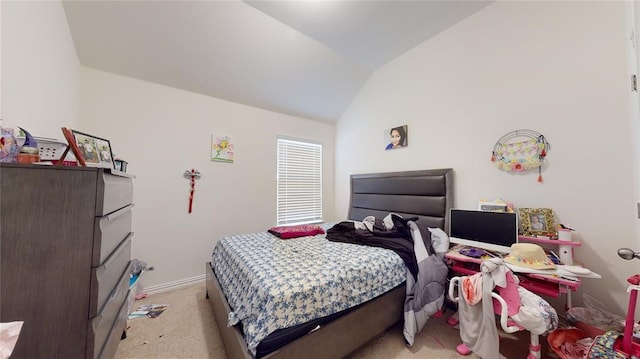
(299, 182)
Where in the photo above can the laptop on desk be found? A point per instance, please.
(493, 231)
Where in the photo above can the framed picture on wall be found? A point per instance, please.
(222, 148)
(396, 137)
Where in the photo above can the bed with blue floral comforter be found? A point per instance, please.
(271, 283)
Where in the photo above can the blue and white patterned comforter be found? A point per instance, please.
(271, 283)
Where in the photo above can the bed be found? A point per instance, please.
(426, 194)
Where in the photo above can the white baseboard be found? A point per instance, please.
(171, 285)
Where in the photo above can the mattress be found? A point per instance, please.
(282, 337)
(272, 284)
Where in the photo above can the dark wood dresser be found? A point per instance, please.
(65, 251)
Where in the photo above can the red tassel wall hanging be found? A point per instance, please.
(192, 175)
(539, 175)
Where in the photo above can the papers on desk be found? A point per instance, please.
(560, 270)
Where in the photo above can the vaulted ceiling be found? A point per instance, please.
(306, 58)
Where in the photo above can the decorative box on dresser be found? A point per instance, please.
(65, 251)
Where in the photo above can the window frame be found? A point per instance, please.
(298, 201)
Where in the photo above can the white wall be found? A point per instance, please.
(633, 25)
(162, 132)
(559, 68)
(39, 68)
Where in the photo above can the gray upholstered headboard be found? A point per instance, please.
(427, 194)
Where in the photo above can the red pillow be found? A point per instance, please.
(286, 232)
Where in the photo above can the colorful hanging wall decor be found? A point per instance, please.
(221, 148)
(521, 150)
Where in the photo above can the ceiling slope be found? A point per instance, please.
(303, 58)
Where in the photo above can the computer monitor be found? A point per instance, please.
(494, 231)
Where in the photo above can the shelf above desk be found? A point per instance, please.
(549, 241)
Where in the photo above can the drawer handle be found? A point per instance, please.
(113, 215)
(116, 291)
(117, 251)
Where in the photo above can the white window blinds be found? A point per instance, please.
(299, 182)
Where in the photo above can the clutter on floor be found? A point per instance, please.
(598, 333)
(148, 310)
(137, 268)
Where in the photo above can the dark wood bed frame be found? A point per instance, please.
(427, 194)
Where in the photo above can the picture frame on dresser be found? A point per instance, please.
(95, 151)
(71, 145)
(89, 150)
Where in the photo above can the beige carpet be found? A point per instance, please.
(187, 329)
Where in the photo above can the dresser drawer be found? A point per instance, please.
(114, 192)
(105, 277)
(111, 344)
(109, 231)
(100, 326)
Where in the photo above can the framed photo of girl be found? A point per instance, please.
(537, 221)
(396, 137)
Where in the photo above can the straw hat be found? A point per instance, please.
(529, 255)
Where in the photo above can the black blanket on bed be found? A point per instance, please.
(397, 239)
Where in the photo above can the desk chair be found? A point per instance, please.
(506, 303)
